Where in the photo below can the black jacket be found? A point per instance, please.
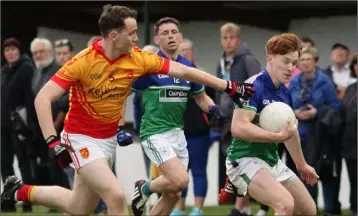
(16, 89)
(349, 115)
(41, 78)
(322, 144)
(196, 122)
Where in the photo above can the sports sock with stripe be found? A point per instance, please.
(24, 193)
(146, 188)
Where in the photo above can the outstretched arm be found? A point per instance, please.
(49, 93)
(197, 76)
(203, 101)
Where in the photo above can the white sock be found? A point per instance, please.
(246, 210)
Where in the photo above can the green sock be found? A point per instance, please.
(146, 189)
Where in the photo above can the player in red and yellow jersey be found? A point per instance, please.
(99, 79)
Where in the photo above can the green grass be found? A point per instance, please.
(209, 210)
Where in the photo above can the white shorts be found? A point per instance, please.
(164, 146)
(241, 171)
(87, 149)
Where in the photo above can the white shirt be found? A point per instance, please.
(342, 77)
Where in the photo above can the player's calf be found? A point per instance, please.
(50, 196)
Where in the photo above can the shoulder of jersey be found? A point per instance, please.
(187, 61)
(81, 56)
(255, 79)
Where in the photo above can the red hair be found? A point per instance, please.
(283, 44)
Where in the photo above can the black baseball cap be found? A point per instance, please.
(340, 45)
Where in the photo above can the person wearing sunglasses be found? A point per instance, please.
(64, 51)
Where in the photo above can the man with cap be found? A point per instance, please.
(17, 97)
(339, 70)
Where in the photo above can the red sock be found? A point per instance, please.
(24, 193)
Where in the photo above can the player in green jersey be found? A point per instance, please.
(253, 165)
(164, 100)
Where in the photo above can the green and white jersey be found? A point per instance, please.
(164, 100)
(265, 93)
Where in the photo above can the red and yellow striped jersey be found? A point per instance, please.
(99, 87)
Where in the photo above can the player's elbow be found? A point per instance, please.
(237, 130)
(41, 100)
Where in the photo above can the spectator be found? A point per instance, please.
(196, 129)
(349, 138)
(46, 65)
(238, 64)
(16, 136)
(339, 70)
(307, 42)
(312, 93)
(64, 51)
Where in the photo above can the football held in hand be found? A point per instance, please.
(274, 115)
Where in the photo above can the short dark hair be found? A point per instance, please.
(164, 21)
(64, 42)
(351, 66)
(113, 17)
(307, 40)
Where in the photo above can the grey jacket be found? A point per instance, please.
(244, 66)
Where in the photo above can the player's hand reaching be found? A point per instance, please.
(288, 130)
(215, 111)
(308, 174)
(124, 138)
(239, 90)
(59, 152)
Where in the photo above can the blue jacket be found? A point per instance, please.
(323, 93)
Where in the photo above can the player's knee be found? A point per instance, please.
(116, 198)
(285, 206)
(308, 209)
(175, 196)
(181, 183)
(172, 197)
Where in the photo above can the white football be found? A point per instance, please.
(274, 115)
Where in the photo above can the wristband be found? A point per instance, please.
(51, 139)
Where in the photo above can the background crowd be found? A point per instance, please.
(325, 103)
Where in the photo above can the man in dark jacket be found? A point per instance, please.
(237, 64)
(16, 136)
(46, 66)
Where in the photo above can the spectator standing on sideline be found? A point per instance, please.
(197, 133)
(349, 138)
(16, 133)
(312, 94)
(46, 66)
(339, 70)
(64, 51)
(237, 64)
(305, 42)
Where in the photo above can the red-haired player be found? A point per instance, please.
(252, 165)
